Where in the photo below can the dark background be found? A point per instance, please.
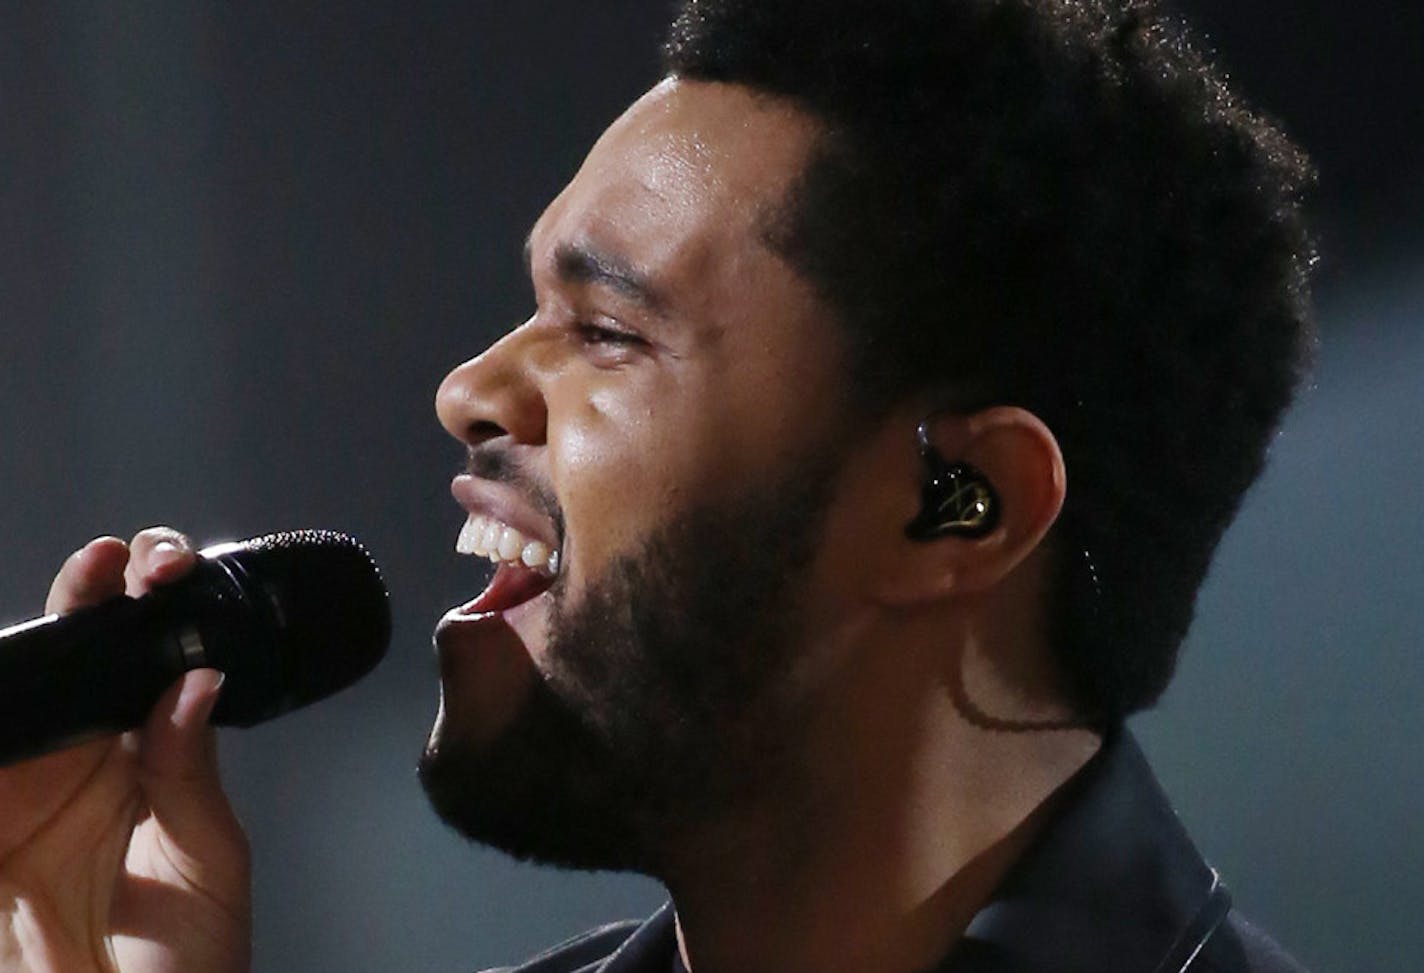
(243, 242)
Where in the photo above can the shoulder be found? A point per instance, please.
(584, 951)
(1240, 946)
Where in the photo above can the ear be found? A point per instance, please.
(1020, 459)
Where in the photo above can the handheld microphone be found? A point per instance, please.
(289, 618)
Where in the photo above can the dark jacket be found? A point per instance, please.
(1111, 884)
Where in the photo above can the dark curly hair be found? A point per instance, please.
(1057, 204)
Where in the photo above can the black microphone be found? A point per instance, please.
(290, 618)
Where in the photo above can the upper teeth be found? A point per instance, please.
(499, 542)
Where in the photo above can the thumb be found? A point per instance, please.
(179, 773)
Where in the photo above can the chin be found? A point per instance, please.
(540, 791)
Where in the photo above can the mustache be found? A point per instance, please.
(490, 461)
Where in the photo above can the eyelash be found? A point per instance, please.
(595, 334)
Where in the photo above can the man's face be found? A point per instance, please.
(667, 421)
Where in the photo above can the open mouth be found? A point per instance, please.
(524, 568)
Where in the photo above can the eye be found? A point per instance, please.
(597, 334)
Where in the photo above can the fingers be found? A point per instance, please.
(106, 567)
(181, 784)
(179, 749)
(90, 575)
(157, 556)
(178, 762)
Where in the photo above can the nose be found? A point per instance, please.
(495, 394)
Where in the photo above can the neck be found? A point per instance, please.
(928, 773)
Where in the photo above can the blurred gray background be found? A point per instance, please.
(243, 242)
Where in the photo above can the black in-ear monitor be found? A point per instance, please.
(956, 499)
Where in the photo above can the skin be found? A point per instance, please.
(934, 731)
(693, 409)
(124, 854)
(912, 794)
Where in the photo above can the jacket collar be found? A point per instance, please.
(649, 948)
(1112, 882)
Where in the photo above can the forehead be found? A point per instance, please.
(682, 183)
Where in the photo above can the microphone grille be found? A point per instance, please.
(325, 610)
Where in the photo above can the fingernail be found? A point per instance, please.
(198, 697)
(164, 553)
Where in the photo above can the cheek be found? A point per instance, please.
(623, 460)
(632, 449)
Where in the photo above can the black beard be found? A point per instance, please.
(662, 711)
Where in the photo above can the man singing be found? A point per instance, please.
(893, 371)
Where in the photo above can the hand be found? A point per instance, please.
(124, 854)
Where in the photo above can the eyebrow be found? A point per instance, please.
(582, 264)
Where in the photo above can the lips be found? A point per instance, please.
(486, 674)
(503, 528)
(488, 649)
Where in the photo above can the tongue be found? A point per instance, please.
(512, 584)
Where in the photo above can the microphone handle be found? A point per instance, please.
(93, 672)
